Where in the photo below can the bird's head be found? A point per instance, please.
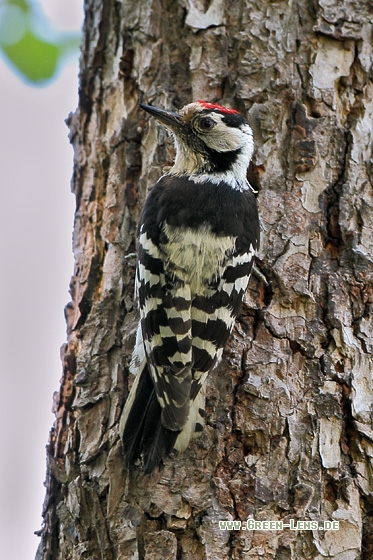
(212, 142)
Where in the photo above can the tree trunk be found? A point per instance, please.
(289, 433)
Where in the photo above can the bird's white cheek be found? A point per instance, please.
(222, 140)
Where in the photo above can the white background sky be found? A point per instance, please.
(36, 219)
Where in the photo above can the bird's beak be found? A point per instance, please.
(170, 119)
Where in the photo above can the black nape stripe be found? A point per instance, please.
(230, 119)
(221, 161)
(234, 120)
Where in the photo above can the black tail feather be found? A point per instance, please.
(144, 437)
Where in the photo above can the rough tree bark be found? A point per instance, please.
(289, 410)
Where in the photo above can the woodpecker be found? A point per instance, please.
(197, 237)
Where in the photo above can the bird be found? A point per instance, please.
(198, 234)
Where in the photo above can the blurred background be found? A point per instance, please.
(39, 52)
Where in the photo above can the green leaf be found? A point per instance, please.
(35, 58)
(23, 4)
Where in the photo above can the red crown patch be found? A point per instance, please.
(207, 105)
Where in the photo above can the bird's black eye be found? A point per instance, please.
(206, 123)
